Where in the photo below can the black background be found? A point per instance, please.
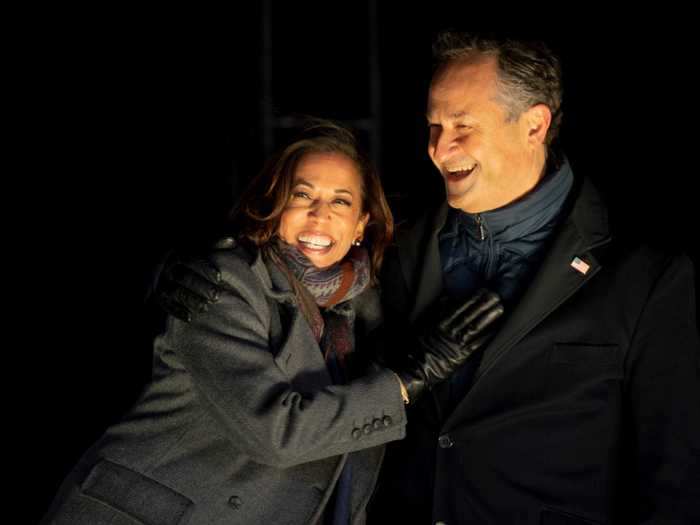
(148, 125)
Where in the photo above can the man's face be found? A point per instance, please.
(485, 161)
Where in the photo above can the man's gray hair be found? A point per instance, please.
(529, 72)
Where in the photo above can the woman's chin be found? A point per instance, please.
(322, 264)
(321, 260)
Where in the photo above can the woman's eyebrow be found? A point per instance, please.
(304, 182)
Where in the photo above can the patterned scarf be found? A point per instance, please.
(322, 295)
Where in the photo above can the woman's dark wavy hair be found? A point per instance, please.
(257, 216)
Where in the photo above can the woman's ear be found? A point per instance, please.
(361, 225)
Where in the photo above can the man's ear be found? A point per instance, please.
(537, 119)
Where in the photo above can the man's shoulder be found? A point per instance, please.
(661, 259)
(421, 222)
(631, 248)
(641, 261)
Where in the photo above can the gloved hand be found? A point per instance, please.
(446, 343)
(187, 284)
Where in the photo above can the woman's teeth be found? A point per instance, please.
(315, 241)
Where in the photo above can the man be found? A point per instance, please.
(583, 409)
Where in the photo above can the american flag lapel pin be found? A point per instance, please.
(580, 265)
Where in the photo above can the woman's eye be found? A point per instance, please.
(342, 202)
(300, 195)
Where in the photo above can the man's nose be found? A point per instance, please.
(443, 145)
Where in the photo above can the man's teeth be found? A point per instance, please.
(316, 240)
(461, 169)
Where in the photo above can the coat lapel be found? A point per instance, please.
(556, 280)
(289, 324)
(426, 269)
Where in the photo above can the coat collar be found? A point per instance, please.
(584, 211)
(274, 282)
(519, 218)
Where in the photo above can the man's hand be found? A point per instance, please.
(187, 285)
(449, 341)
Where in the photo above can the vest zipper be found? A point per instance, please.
(481, 227)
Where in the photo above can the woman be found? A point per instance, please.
(259, 410)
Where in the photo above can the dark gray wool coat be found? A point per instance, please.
(241, 422)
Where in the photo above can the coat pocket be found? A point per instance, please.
(599, 359)
(586, 376)
(556, 517)
(137, 495)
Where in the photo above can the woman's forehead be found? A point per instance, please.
(334, 170)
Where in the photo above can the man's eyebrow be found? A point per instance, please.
(452, 116)
(304, 182)
(458, 115)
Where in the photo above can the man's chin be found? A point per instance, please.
(457, 200)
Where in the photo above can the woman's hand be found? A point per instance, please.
(448, 341)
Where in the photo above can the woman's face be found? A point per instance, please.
(324, 213)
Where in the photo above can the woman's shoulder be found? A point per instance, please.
(230, 249)
(239, 264)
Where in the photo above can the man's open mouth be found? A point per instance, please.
(457, 174)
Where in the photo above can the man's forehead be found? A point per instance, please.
(460, 85)
(458, 103)
(480, 68)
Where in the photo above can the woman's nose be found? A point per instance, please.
(320, 209)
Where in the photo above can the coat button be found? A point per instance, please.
(377, 424)
(367, 429)
(234, 502)
(387, 421)
(356, 433)
(445, 441)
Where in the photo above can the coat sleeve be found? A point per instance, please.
(663, 392)
(233, 370)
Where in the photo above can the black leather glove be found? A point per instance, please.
(446, 343)
(187, 285)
